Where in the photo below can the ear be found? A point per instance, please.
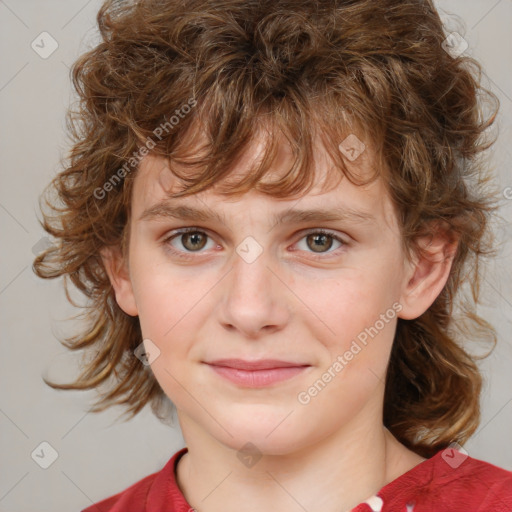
(428, 272)
(118, 274)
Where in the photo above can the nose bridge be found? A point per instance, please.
(253, 300)
(250, 268)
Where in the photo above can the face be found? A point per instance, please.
(246, 286)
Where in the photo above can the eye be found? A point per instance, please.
(321, 241)
(191, 239)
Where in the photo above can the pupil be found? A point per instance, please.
(319, 242)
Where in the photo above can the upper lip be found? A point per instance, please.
(262, 364)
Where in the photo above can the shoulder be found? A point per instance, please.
(141, 495)
(132, 498)
(451, 480)
(479, 483)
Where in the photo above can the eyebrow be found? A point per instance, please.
(166, 210)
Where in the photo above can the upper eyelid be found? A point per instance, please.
(189, 229)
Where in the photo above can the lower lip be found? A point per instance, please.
(257, 378)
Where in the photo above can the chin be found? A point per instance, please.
(257, 444)
(267, 434)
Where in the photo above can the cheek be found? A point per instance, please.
(361, 323)
(175, 304)
(171, 310)
(157, 302)
(354, 322)
(340, 307)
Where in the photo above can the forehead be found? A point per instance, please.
(155, 182)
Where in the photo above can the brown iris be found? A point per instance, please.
(194, 240)
(320, 242)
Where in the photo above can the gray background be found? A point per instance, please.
(97, 454)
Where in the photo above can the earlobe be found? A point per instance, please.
(428, 273)
(119, 277)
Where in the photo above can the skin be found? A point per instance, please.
(333, 452)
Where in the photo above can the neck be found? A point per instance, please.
(332, 475)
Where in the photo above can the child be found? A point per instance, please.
(304, 377)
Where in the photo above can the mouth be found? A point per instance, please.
(256, 374)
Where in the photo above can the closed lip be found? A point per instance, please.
(263, 364)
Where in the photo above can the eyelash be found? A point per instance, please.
(190, 255)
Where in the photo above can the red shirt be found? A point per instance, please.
(439, 484)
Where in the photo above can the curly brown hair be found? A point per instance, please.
(378, 69)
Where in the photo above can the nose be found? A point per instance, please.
(255, 300)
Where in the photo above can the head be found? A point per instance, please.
(250, 111)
